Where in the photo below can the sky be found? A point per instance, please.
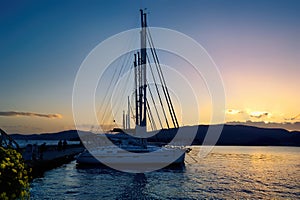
(254, 44)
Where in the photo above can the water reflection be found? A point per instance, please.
(136, 189)
(240, 172)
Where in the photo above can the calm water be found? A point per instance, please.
(239, 172)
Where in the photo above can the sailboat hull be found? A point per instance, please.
(161, 158)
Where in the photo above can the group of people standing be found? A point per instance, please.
(35, 152)
(62, 145)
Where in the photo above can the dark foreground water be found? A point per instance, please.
(225, 173)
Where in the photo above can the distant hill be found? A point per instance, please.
(231, 135)
(238, 135)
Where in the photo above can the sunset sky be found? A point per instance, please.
(255, 45)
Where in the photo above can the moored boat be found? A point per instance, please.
(133, 151)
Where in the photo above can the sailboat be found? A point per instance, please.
(136, 151)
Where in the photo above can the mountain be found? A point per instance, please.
(237, 135)
(231, 135)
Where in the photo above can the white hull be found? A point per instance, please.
(137, 157)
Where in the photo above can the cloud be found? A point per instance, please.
(295, 126)
(29, 114)
(262, 119)
(293, 118)
(255, 114)
(233, 111)
(258, 114)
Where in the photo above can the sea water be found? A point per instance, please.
(225, 173)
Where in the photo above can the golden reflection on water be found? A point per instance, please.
(249, 172)
(225, 173)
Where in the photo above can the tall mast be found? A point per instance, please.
(143, 122)
(128, 114)
(124, 124)
(136, 91)
(140, 88)
(141, 84)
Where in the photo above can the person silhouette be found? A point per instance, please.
(64, 144)
(59, 145)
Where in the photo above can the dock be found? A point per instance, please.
(50, 158)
